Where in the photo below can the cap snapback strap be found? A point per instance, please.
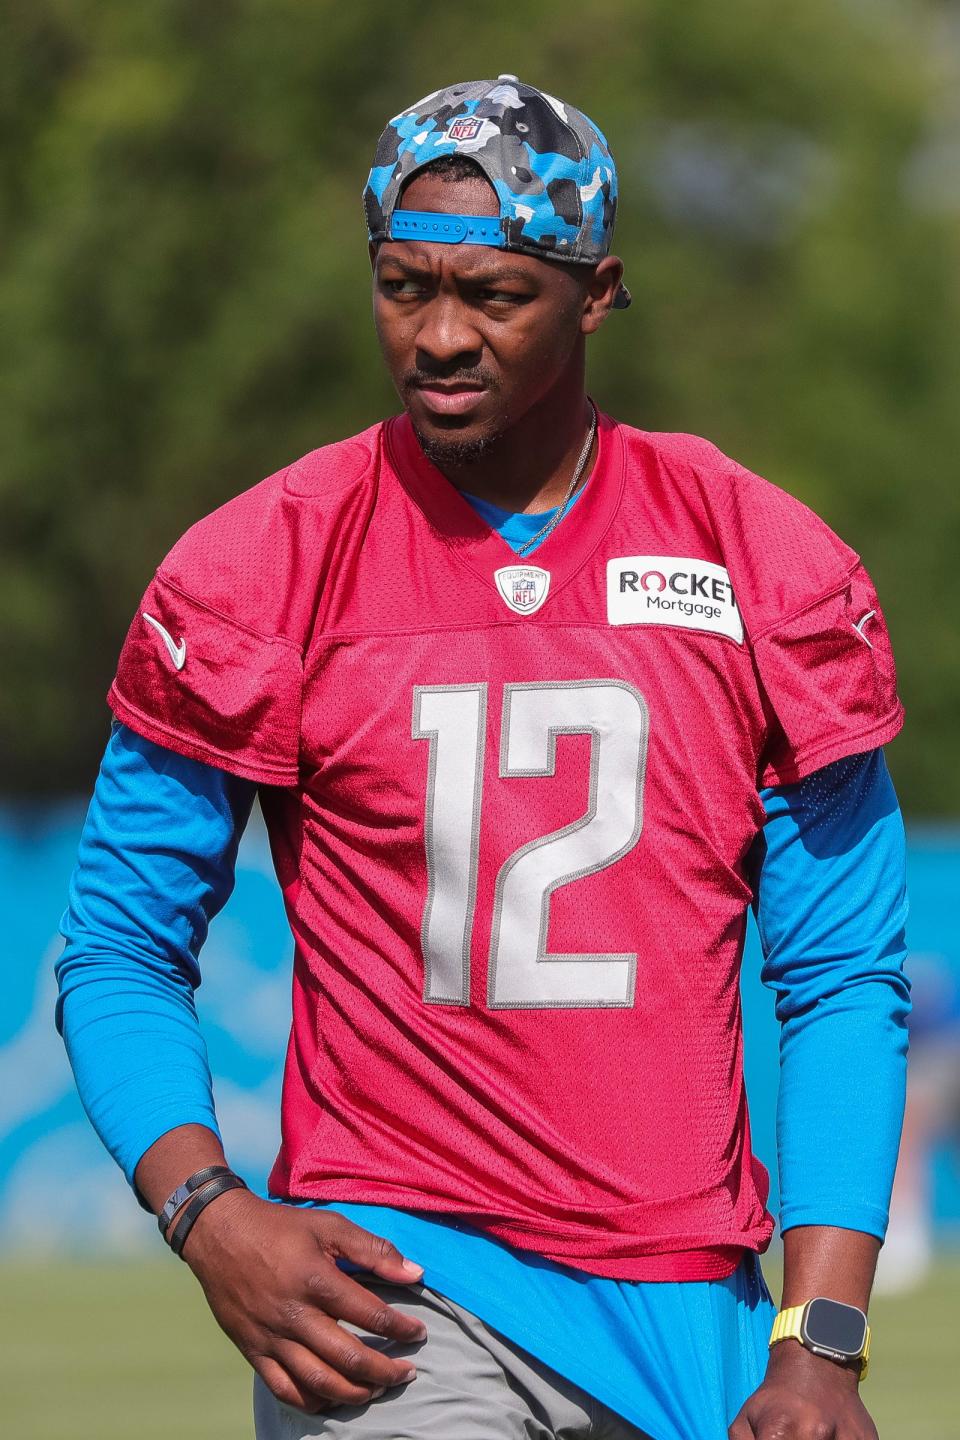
(442, 229)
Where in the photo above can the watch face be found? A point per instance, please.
(832, 1326)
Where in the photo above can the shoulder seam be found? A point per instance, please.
(807, 605)
(149, 727)
(229, 619)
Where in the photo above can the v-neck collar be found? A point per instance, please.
(476, 544)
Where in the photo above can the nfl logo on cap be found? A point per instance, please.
(468, 127)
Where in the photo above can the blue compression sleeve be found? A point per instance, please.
(831, 908)
(156, 863)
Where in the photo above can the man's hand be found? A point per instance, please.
(270, 1276)
(804, 1397)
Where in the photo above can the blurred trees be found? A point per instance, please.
(184, 297)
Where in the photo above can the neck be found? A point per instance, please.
(529, 467)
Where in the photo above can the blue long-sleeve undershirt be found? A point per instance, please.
(831, 908)
(156, 863)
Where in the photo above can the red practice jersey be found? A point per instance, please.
(510, 804)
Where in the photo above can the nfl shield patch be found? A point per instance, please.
(468, 127)
(523, 587)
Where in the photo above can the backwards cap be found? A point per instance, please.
(550, 166)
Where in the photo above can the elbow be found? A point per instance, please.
(880, 994)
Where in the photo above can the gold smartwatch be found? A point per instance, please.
(826, 1327)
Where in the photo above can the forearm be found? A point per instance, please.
(137, 1051)
(156, 862)
(831, 910)
(824, 1260)
(174, 1157)
(838, 1264)
(840, 1109)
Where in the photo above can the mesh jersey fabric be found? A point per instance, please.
(610, 1134)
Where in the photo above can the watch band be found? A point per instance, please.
(198, 1203)
(183, 1192)
(788, 1325)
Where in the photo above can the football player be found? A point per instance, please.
(536, 704)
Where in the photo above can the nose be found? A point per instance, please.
(447, 340)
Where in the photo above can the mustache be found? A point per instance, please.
(476, 375)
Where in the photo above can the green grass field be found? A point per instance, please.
(112, 1351)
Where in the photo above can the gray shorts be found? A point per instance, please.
(471, 1384)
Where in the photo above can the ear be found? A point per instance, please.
(601, 291)
(372, 248)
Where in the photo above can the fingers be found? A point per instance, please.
(345, 1298)
(282, 1309)
(741, 1429)
(298, 1378)
(334, 1347)
(347, 1241)
(281, 1384)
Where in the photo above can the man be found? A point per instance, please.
(536, 704)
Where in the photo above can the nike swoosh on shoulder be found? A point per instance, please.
(860, 624)
(177, 653)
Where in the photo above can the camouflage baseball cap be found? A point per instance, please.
(550, 166)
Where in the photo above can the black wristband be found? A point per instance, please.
(183, 1192)
(188, 1216)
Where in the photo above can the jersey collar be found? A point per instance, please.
(475, 544)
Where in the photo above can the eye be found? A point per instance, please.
(488, 295)
(403, 288)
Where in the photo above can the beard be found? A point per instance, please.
(449, 449)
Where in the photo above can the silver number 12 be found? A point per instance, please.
(522, 974)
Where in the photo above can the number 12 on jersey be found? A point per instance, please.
(521, 973)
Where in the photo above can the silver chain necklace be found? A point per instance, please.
(558, 514)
